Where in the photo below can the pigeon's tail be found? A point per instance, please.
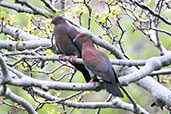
(84, 71)
(112, 87)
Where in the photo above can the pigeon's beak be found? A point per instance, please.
(75, 39)
(51, 23)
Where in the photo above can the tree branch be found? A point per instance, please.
(67, 58)
(160, 94)
(117, 103)
(146, 83)
(36, 10)
(47, 4)
(145, 7)
(26, 81)
(16, 8)
(10, 95)
(23, 45)
(154, 63)
(5, 73)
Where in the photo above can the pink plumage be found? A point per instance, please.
(98, 63)
(64, 35)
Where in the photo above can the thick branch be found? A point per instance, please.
(46, 85)
(77, 60)
(17, 33)
(148, 83)
(10, 95)
(161, 72)
(4, 69)
(26, 81)
(152, 64)
(16, 8)
(160, 94)
(117, 103)
(22, 45)
(36, 10)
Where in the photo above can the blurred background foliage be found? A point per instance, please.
(135, 44)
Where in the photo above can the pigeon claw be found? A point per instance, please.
(73, 58)
(91, 81)
(61, 57)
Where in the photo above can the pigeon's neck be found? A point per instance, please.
(88, 44)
